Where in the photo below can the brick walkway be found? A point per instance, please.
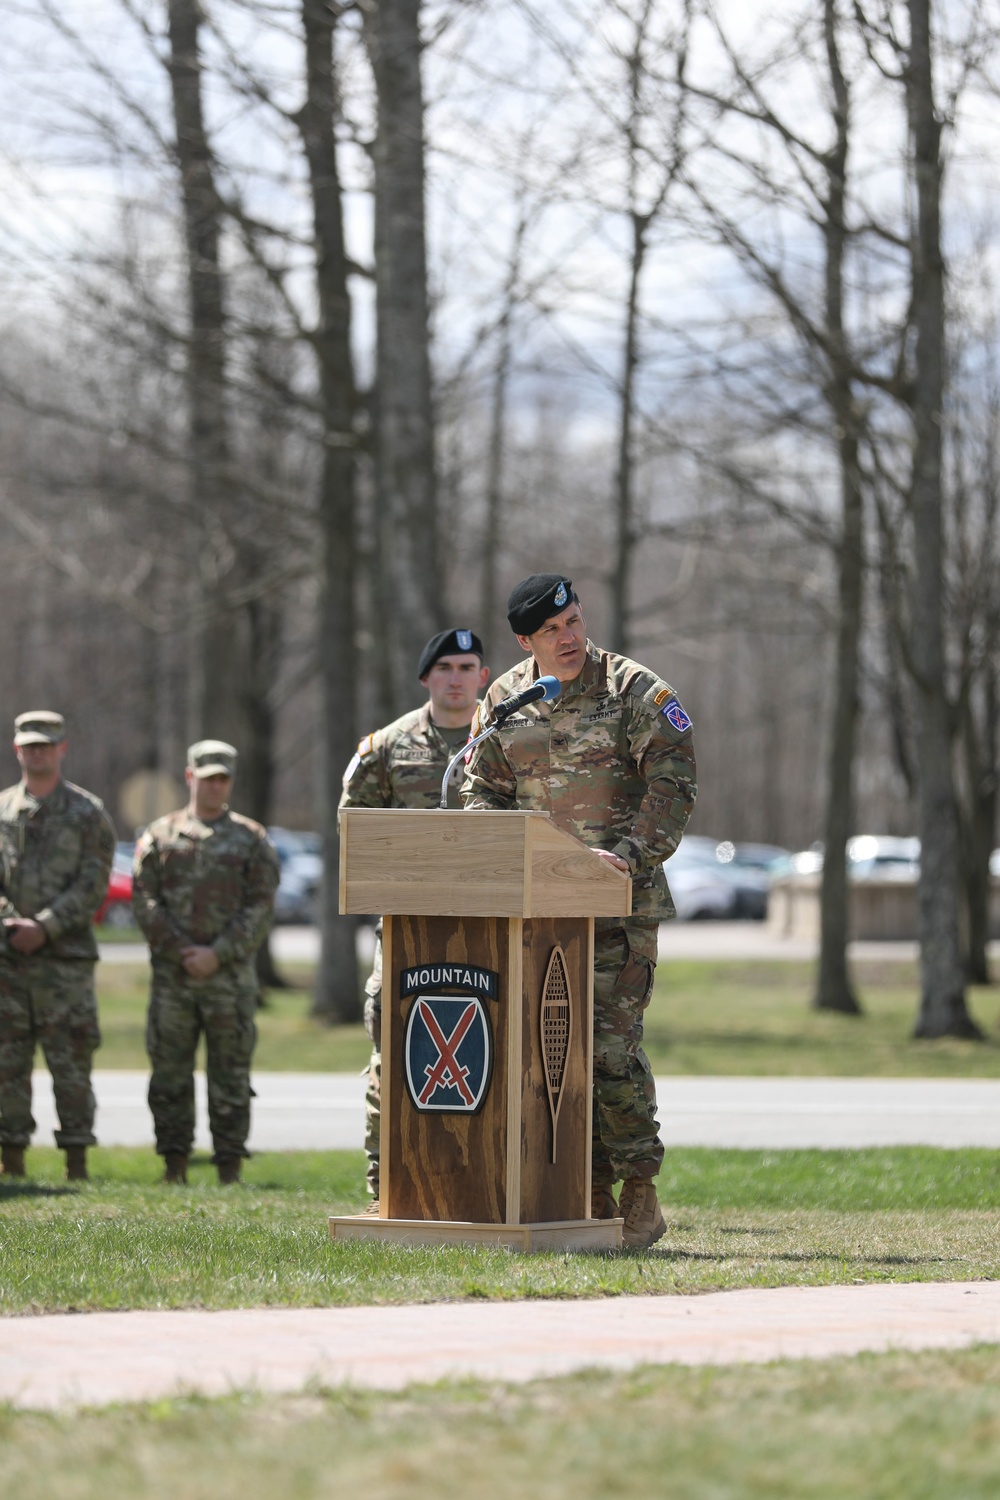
(97, 1358)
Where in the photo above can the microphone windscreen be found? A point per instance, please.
(553, 687)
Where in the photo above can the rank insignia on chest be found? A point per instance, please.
(676, 716)
(447, 1054)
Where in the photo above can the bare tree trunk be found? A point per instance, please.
(621, 577)
(219, 709)
(338, 991)
(405, 471)
(834, 990)
(943, 1010)
(492, 531)
(238, 652)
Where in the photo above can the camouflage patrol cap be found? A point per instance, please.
(40, 727)
(536, 599)
(212, 758)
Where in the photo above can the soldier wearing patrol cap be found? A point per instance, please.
(611, 760)
(56, 847)
(402, 766)
(204, 888)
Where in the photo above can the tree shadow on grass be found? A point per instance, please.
(804, 1257)
(21, 1189)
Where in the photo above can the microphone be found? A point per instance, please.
(545, 688)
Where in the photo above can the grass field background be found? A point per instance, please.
(736, 1219)
(923, 1426)
(705, 1018)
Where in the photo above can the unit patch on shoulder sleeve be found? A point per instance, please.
(663, 695)
(352, 766)
(676, 716)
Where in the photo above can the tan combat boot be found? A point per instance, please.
(644, 1223)
(370, 1210)
(229, 1168)
(76, 1164)
(602, 1202)
(175, 1167)
(13, 1160)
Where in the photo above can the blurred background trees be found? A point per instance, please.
(325, 322)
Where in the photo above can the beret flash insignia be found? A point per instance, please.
(560, 596)
(464, 639)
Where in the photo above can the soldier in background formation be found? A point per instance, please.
(612, 761)
(56, 848)
(402, 765)
(204, 889)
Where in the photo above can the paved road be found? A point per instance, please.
(325, 1111)
(723, 940)
(50, 1362)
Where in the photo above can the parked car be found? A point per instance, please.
(116, 908)
(725, 881)
(869, 857)
(301, 856)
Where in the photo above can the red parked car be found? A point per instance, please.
(116, 908)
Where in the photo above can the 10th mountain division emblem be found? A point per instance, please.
(447, 1053)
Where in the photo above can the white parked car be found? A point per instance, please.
(724, 880)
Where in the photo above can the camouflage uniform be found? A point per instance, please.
(399, 766)
(55, 859)
(209, 884)
(611, 768)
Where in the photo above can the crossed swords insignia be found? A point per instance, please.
(446, 1071)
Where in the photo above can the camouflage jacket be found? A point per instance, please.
(210, 884)
(55, 859)
(402, 765)
(611, 760)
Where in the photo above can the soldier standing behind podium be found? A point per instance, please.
(402, 766)
(205, 879)
(56, 847)
(612, 761)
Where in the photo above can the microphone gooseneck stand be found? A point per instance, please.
(544, 689)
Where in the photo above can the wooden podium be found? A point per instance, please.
(487, 1024)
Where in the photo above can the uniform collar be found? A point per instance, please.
(27, 801)
(200, 828)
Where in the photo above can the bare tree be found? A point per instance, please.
(337, 991)
(405, 475)
(943, 1010)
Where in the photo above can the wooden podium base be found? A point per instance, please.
(568, 1234)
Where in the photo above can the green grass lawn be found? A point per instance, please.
(705, 1018)
(878, 1427)
(736, 1218)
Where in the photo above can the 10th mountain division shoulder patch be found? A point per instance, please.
(676, 716)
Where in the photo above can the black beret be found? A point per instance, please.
(534, 600)
(448, 643)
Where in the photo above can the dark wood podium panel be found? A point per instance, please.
(436, 1165)
(558, 1189)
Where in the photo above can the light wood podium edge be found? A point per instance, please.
(385, 1051)
(564, 1234)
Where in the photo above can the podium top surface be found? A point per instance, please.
(472, 864)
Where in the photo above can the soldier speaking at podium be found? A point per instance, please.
(402, 766)
(612, 762)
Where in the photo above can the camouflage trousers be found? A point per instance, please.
(626, 1141)
(48, 1002)
(223, 1008)
(373, 1093)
